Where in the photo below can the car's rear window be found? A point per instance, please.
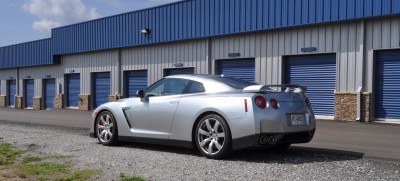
(234, 82)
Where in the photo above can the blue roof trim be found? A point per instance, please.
(190, 19)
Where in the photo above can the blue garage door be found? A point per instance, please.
(242, 68)
(73, 89)
(12, 90)
(134, 81)
(49, 93)
(29, 89)
(178, 71)
(318, 73)
(101, 88)
(387, 84)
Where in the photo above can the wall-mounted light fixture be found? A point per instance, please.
(178, 64)
(71, 71)
(145, 31)
(309, 49)
(28, 77)
(48, 76)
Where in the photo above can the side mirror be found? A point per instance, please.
(140, 93)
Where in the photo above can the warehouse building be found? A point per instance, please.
(346, 51)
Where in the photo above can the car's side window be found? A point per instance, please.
(194, 87)
(169, 86)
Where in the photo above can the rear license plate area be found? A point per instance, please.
(297, 119)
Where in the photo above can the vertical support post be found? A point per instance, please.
(119, 73)
(17, 84)
(209, 56)
(359, 91)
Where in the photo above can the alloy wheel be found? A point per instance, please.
(105, 128)
(211, 136)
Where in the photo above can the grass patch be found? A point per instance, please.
(81, 175)
(8, 154)
(44, 168)
(16, 165)
(31, 159)
(61, 156)
(123, 177)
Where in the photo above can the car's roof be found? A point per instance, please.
(193, 75)
(197, 77)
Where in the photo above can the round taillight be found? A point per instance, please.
(274, 103)
(260, 102)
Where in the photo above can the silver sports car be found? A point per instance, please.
(215, 114)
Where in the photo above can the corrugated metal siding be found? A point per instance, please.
(380, 34)
(187, 20)
(27, 54)
(243, 69)
(72, 86)
(346, 39)
(178, 71)
(101, 88)
(38, 74)
(202, 18)
(11, 90)
(4, 76)
(29, 90)
(85, 64)
(134, 81)
(156, 58)
(387, 84)
(49, 93)
(318, 73)
(7, 73)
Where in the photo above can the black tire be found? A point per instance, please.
(108, 134)
(210, 142)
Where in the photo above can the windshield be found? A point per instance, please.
(234, 82)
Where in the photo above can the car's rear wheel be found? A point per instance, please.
(213, 137)
(106, 128)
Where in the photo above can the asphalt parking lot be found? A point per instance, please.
(340, 151)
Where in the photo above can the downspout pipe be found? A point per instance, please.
(17, 84)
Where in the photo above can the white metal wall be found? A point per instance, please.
(4, 76)
(87, 63)
(156, 58)
(38, 74)
(380, 34)
(269, 48)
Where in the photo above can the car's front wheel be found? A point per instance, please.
(213, 137)
(106, 128)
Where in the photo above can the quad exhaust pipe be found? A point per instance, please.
(264, 139)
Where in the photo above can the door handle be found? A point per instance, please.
(173, 102)
(126, 108)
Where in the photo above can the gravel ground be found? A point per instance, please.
(170, 163)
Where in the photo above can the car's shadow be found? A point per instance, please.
(293, 155)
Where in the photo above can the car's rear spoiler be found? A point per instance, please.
(274, 88)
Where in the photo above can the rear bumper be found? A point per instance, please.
(279, 138)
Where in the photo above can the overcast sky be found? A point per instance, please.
(28, 20)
